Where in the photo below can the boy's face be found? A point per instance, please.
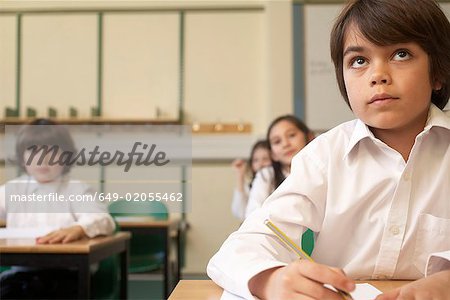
(388, 87)
(43, 172)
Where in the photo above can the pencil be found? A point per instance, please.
(299, 251)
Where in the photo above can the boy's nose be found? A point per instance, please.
(380, 76)
(46, 160)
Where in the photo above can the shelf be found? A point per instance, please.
(197, 128)
(89, 121)
(220, 128)
(79, 121)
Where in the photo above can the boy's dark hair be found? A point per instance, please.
(40, 133)
(387, 22)
(279, 177)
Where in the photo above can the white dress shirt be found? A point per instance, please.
(91, 216)
(375, 215)
(262, 187)
(239, 202)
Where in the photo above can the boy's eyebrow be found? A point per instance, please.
(353, 49)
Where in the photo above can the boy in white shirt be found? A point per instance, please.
(375, 190)
(68, 221)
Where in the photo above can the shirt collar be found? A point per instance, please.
(361, 131)
(436, 118)
(34, 186)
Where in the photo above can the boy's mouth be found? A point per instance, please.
(382, 98)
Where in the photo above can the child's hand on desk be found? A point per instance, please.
(434, 287)
(65, 235)
(301, 279)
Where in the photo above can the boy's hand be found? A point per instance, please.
(434, 287)
(65, 235)
(301, 279)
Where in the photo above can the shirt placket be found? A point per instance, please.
(394, 231)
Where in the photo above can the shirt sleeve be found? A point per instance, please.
(238, 204)
(254, 248)
(438, 262)
(2, 202)
(96, 221)
(262, 186)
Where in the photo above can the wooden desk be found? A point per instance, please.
(80, 254)
(166, 229)
(208, 290)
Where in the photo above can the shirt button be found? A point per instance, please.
(394, 230)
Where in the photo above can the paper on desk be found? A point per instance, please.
(24, 233)
(363, 291)
(229, 296)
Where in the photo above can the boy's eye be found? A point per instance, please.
(401, 55)
(358, 62)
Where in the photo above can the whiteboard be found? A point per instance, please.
(324, 105)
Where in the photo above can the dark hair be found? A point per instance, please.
(260, 144)
(279, 177)
(387, 22)
(33, 134)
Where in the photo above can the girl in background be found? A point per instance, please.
(259, 158)
(286, 135)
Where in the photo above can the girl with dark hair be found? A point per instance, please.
(259, 158)
(286, 135)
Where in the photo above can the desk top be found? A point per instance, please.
(208, 290)
(80, 246)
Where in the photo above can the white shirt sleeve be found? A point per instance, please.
(262, 187)
(97, 221)
(238, 204)
(2, 202)
(438, 262)
(254, 248)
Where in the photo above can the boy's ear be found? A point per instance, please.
(310, 136)
(437, 85)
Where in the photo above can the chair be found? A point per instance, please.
(105, 281)
(146, 251)
(308, 241)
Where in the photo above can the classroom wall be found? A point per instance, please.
(237, 67)
(219, 61)
(222, 61)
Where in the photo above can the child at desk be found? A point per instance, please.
(69, 222)
(286, 136)
(259, 158)
(375, 189)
